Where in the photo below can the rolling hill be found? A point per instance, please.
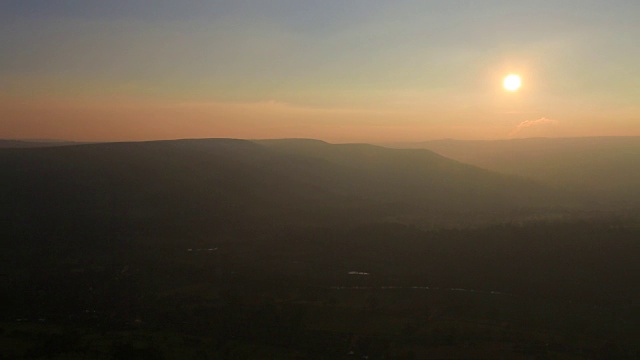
(223, 186)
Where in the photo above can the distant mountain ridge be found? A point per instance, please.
(226, 185)
(32, 143)
(410, 174)
(608, 168)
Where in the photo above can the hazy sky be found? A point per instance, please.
(338, 70)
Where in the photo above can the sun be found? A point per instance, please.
(512, 82)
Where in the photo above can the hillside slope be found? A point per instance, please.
(607, 168)
(224, 185)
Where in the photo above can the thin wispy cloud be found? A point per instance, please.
(532, 123)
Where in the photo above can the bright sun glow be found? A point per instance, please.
(512, 82)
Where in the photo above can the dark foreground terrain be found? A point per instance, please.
(227, 249)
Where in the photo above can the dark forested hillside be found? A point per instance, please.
(219, 185)
(416, 176)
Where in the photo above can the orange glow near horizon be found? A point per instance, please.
(127, 120)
